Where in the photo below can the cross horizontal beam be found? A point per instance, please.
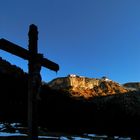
(25, 54)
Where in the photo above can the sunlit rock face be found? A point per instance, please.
(73, 81)
(132, 86)
(79, 86)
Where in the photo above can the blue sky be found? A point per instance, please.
(92, 38)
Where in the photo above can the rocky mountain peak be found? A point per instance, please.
(80, 86)
(134, 86)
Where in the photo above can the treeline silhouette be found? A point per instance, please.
(13, 92)
(58, 111)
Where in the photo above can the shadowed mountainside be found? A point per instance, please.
(116, 114)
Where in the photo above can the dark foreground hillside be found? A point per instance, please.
(58, 111)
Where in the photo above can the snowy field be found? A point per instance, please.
(6, 131)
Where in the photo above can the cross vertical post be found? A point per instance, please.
(34, 82)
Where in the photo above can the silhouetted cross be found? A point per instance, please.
(36, 60)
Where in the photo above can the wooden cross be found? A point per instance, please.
(35, 60)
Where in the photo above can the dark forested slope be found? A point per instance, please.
(117, 114)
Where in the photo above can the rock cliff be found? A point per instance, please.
(85, 87)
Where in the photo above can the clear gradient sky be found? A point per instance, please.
(92, 38)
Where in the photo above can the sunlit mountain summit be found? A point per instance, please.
(80, 86)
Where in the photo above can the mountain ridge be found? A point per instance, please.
(7, 68)
(74, 85)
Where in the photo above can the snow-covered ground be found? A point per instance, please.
(5, 133)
